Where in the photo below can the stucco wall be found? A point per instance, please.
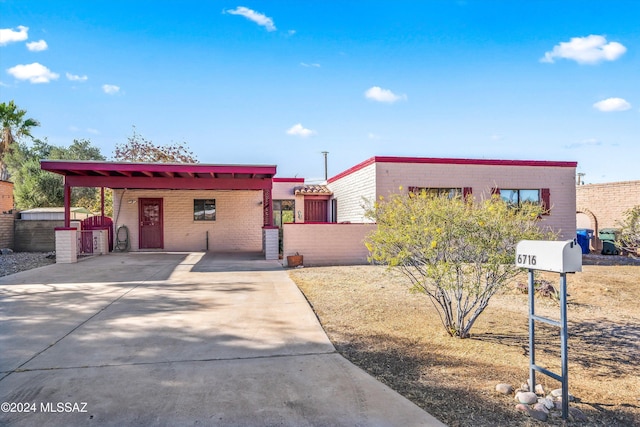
(352, 192)
(237, 228)
(482, 178)
(606, 202)
(327, 244)
(35, 236)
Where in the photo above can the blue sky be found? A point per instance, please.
(278, 82)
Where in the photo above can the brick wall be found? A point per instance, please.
(6, 231)
(352, 191)
(384, 178)
(238, 224)
(6, 196)
(482, 178)
(603, 205)
(327, 244)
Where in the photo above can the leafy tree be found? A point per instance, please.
(139, 149)
(629, 238)
(37, 188)
(459, 253)
(14, 126)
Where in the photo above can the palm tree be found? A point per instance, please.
(14, 125)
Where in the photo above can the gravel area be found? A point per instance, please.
(21, 261)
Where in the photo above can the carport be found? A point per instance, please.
(189, 184)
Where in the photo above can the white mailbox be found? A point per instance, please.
(557, 256)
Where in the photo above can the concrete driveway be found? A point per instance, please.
(177, 339)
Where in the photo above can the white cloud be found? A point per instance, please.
(76, 78)
(254, 16)
(93, 131)
(586, 50)
(591, 142)
(376, 93)
(35, 73)
(110, 89)
(612, 104)
(299, 130)
(313, 65)
(7, 35)
(38, 46)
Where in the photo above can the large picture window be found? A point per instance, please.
(204, 209)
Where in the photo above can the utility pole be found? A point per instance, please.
(324, 153)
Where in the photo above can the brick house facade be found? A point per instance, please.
(601, 206)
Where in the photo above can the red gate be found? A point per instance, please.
(98, 223)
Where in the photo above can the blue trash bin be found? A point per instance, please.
(584, 236)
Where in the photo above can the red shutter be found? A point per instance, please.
(315, 210)
(495, 192)
(545, 199)
(466, 192)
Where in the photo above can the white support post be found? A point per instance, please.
(66, 245)
(270, 243)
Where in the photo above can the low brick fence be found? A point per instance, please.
(6, 231)
(326, 243)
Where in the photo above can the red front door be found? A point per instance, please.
(151, 232)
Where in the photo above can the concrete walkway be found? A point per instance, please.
(177, 339)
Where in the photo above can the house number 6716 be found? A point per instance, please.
(526, 259)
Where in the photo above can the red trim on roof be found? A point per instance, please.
(453, 161)
(298, 180)
(353, 169)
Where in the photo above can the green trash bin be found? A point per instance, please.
(608, 238)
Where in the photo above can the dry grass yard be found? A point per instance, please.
(376, 322)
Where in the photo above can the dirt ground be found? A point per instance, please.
(376, 322)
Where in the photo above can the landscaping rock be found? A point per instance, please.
(504, 388)
(557, 392)
(577, 415)
(524, 386)
(548, 403)
(523, 408)
(538, 415)
(540, 407)
(539, 389)
(6, 251)
(526, 397)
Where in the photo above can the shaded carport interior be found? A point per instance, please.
(163, 176)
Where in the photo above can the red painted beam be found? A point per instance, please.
(169, 183)
(65, 166)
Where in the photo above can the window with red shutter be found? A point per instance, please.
(545, 197)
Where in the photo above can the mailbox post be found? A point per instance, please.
(556, 256)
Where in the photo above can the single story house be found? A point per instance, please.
(245, 208)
